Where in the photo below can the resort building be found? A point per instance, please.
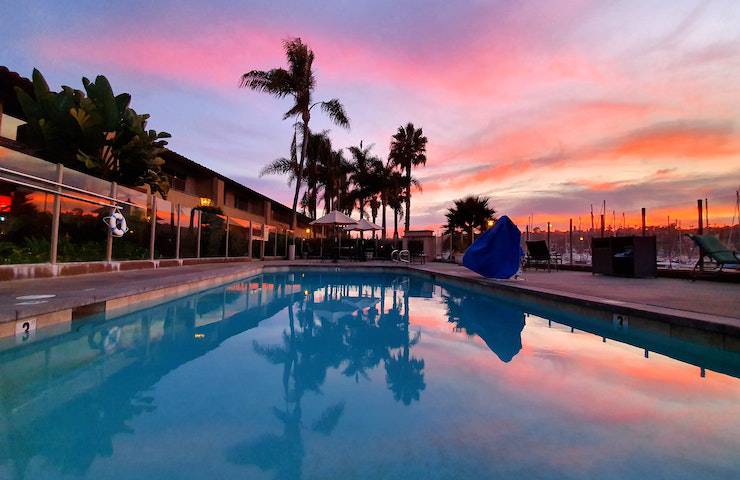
(50, 214)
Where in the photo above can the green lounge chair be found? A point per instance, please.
(715, 250)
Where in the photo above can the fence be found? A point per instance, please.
(49, 213)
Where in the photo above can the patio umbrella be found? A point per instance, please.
(335, 218)
(362, 226)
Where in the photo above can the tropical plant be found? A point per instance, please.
(94, 131)
(298, 82)
(408, 150)
(318, 153)
(468, 214)
(363, 175)
(395, 192)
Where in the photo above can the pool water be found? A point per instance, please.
(341, 375)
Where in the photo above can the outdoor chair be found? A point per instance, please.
(714, 250)
(539, 255)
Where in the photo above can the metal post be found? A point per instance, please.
(643, 221)
(226, 248)
(55, 214)
(177, 235)
(706, 213)
(249, 246)
(700, 231)
(570, 241)
(602, 225)
(153, 228)
(109, 240)
(548, 235)
(200, 224)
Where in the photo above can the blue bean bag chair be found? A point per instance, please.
(498, 252)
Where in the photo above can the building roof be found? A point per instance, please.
(174, 163)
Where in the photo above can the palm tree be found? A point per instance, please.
(396, 196)
(469, 213)
(408, 150)
(364, 166)
(319, 148)
(298, 82)
(332, 172)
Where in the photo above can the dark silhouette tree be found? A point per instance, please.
(297, 82)
(468, 214)
(408, 150)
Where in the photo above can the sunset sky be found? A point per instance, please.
(546, 106)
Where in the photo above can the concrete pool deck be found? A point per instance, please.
(700, 304)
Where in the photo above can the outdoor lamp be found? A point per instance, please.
(489, 223)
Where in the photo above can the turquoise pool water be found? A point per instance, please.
(341, 375)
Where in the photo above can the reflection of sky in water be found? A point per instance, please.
(379, 376)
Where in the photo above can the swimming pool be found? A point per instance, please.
(324, 374)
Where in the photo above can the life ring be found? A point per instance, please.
(111, 339)
(117, 223)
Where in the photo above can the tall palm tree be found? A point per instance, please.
(364, 166)
(333, 170)
(298, 82)
(408, 150)
(319, 148)
(469, 213)
(395, 192)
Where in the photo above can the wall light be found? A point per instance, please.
(205, 202)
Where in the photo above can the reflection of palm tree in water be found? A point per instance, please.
(310, 346)
(404, 373)
(305, 356)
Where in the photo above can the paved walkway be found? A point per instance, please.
(698, 298)
(711, 298)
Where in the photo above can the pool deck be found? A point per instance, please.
(699, 304)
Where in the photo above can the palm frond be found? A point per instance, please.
(335, 111)
(277, 81)
(279, 166)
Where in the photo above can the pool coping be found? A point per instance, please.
(138, 297)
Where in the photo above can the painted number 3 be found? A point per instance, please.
(24, 329)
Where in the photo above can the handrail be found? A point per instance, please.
(62, 194)
(404, 256)
(68, 187)
(395, 255)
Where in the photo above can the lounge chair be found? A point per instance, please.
(539, 255)
(716, 251)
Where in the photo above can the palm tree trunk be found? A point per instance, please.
(383, 235)
(395, 224)
(304, 147)
(408, 198)
(327, 199)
